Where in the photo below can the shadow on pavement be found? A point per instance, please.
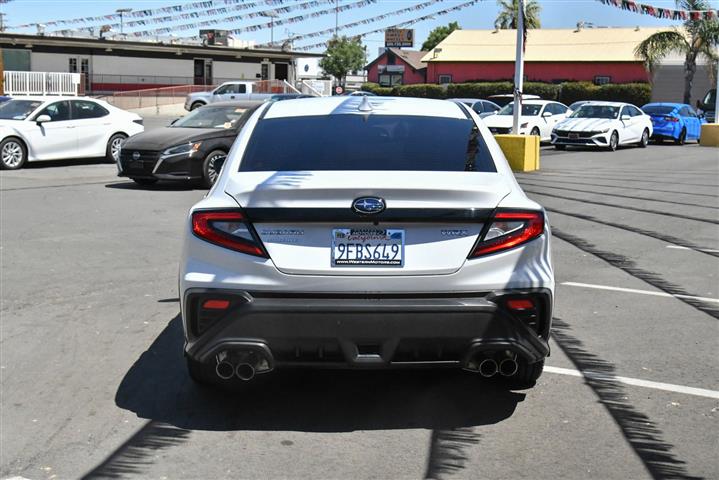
(159, 186)
(642, 434)
(157, 387)
(66, 163)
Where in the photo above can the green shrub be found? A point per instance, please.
(421, 90)
(636, 93)
(546, 91)
(478, 90)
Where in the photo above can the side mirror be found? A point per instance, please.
(43, 119)
(547, 114)
(625, 118)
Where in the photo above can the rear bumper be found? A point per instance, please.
(355, 331)
(665, 131)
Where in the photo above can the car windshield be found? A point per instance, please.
(528, 110)
(211, 117)
(658, 109)
(366, 142)
(18, 109)
(596, 111)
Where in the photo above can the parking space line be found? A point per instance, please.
(641, 292)
(668, 387)
(705, 250)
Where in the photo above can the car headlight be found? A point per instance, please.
(183, 149)
(605, 130)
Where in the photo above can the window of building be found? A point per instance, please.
(390, 79)
(445, 78)
(602, 80)
(72, 65)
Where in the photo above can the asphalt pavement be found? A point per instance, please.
(94, 384)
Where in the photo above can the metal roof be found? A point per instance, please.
(543, 45)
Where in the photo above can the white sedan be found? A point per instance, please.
(604, 124)
(43, 128)
(538, 118)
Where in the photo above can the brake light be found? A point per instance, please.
(227, 229)
(671, 119)
(509, 230)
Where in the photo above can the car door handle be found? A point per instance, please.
(232, 96)
(70, 126)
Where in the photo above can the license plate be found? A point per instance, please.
(573, 135)
(357, 247)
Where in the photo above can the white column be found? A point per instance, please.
(518, 69)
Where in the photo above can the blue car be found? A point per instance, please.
(675, 121)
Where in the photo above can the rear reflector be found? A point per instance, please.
(520, 304)
(509, 229)
(216, 304)
(227, 229)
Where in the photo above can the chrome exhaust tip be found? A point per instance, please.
(224, 370)
(508, 367)
(488, 368)
(245, 371)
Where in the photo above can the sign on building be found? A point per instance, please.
(399, 37)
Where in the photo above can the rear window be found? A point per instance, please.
(366, 142)
(658, 109)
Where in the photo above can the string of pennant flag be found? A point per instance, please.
(151, 12)
(212, 12)
(250, 28)
(661, 12)
(408, 23)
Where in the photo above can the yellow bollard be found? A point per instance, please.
(522, 151)
(709, 136)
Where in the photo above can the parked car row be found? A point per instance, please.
(593, 123)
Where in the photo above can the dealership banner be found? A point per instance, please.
(661, 12)
(408, 23)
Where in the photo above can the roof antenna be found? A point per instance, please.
(365, 106)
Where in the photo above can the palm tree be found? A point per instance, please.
(509, 11)
(697, 38)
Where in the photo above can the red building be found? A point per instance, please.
(599, 55)
(397, 67)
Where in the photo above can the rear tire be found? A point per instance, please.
(644, 141)
(145, 182)
(196, 105)
(212, 166)
(527, 375)
(13, 154)
(560, 147)
(112, 151)
(682, 137)
(200, 373)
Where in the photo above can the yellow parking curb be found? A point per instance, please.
(710, 135)
(522, 151)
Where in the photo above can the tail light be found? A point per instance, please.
(228, 229)
(508, 230)
(671, 119)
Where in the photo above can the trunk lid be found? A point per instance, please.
(433, 217)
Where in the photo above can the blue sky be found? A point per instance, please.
(555, 14)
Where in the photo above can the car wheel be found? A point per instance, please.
(560, 147)
(200, 373)
(145, 182)
(112, 152)
(212, 166)
(613, 141)
(196, 105)
(13, 154)
(535, 132)
(644, 141)
(527, 375)
(682, 137)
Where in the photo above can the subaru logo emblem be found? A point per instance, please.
(135, 155)
(368, 205)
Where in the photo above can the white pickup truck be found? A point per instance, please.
(228, 91)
